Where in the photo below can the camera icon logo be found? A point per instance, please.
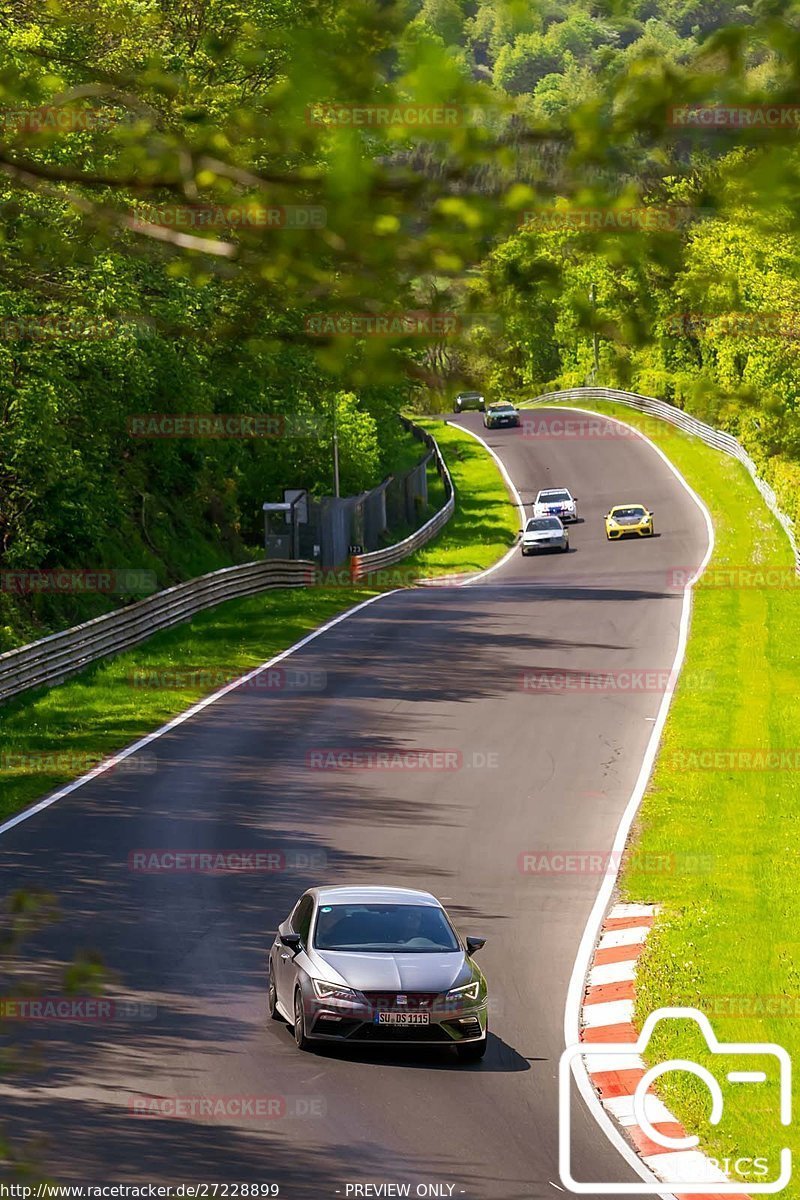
(693, 1173)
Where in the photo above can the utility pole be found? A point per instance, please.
(595, 339)
(335, 446)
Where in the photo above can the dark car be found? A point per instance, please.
(499, 415)
(467, 400)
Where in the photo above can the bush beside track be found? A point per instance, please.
(53, 736)
(728, 939)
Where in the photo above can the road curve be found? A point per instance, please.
(540, 771)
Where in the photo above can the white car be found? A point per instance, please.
(544, 533)
(556, 502)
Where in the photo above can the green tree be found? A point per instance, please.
(445, 18)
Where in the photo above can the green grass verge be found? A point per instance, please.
(486, 520)
(716, 847)
(50, 737)
(56, 735)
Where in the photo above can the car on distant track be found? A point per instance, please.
(467, 400)
(499, 415)
(556, 502)
(377, 965)
(625, 519)
(544, 533)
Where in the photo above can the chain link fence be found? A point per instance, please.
(389, 556)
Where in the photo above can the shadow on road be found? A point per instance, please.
(500, 1057)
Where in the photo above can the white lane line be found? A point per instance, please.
(583, 958)
(120, 755)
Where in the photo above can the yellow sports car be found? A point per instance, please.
(629, 518)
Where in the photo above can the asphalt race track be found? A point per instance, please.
(538, 770)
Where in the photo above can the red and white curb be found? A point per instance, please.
(607, 1018)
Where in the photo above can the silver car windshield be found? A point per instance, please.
(382, 928)
(539, 523)
(554, 497)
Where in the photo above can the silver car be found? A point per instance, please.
(377, 965)
(544, 533)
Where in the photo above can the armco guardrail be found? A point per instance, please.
(389, 556)
(706, 433)
(60, 655)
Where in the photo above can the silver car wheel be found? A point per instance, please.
(301, 1041)
(272, 1001)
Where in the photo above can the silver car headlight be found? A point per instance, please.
(468, 992)
(334, 991)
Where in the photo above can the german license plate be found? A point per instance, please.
(398, 1018)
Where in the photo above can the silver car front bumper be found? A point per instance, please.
(555, 544)
(349, 1021)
